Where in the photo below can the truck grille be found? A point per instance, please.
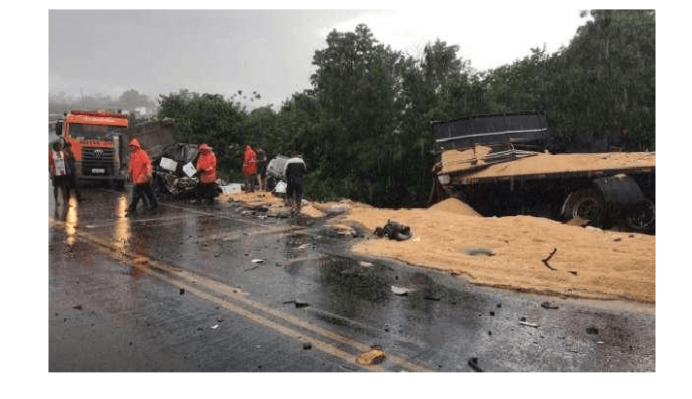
(97, 161)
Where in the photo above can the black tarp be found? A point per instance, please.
(489, 129)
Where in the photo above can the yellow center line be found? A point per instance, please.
(141, 262)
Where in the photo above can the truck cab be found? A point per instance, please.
(97, 145)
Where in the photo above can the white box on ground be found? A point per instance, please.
(168, 164)
(233, 188)
(280, 187)
(189, 169)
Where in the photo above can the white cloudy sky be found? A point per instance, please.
(270, 51)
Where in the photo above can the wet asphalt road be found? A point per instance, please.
(178, 291)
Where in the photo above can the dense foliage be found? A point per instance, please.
(364, 125)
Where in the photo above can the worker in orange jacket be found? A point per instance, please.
(249, 168)
(140, 175)
(206, 171)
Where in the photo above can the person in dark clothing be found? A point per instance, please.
(71, 180)
(294, 170)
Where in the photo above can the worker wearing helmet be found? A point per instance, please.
(140, 175)
(206, 171)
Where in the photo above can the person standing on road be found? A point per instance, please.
(262, 169)
(71, 179)
(140, 175)
(206, 169)
(294, 170)
(57, 167)
(249, 168)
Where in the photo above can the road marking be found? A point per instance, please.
(159, 270)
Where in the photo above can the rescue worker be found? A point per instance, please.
(206, 171)
(57, 167)
(140, 175)
(71, 179)
(294, 170)
(249, 168)
(262, 169)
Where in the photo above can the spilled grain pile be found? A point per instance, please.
(586, 262)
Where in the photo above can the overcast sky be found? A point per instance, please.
(269, 51)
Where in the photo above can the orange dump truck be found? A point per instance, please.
(97, 144)
(491, 163)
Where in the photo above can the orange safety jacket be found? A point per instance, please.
(206, 165)
(140, 165)
(250, 161)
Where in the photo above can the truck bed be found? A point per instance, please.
(472, 166)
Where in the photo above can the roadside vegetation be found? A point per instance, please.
(363, 126)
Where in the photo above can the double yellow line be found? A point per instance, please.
(229, 298)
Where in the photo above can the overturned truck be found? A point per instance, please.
(493, 162)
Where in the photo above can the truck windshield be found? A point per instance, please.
(82, 131)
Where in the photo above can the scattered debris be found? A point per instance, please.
(545, 261)
(257, 261)
(591, 330)
(617, 239)
(394, 231)
(548, 305)
(373, 356)
(301, 304)
(477, 251)
(214, 327)
(252, 268)
(492, 313)
(431, 298)
(365, 264)
(78, 307)
(307, 346)
(182, 291)
(573, 272)
(473, 362)
(400, 290)
(524, 323)
(303, 246)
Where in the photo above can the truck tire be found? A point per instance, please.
(585, 204)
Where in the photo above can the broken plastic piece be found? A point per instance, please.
(400, 290)
(257, 261)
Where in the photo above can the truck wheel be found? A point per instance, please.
(642, 217)
(585, 204)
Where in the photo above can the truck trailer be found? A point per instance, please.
(497, 164)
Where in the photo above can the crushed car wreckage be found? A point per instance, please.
(173, 162)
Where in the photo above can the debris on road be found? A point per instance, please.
(548, 305)
(307, 346)
(476, 251)
(257, 260)
(78, 307)
(524, 323)
(592, 330)
(373, 356)
(301, 304)
(394, 231)
(214, 327)
(182, 291)
(400, 290)
(473, 362)
(365, 264)
(545, 261)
